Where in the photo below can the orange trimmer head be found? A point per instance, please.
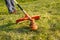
(26, 18)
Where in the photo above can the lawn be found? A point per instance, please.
(48, 24)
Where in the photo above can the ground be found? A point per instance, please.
(48, 24)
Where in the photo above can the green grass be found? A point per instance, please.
(49, 22)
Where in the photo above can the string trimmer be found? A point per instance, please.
(33, 25)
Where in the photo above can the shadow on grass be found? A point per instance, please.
(27, 30)
(6, 26)
(24, 29)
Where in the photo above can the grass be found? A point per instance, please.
(49, 22)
